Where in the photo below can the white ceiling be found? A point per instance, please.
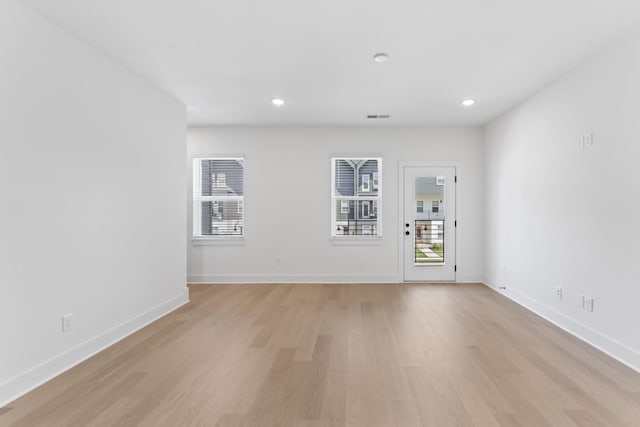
(226, 59)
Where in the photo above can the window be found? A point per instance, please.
(217, 210)
(435, 206)
(218, 197)
(221, 179)
(366, 186)
(420, 206)
(440, 180)
(366, 206)
(356, 196)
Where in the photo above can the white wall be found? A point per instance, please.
(92, 200)
(276, 156)
(558, 215)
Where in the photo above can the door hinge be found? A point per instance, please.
(455, 223)
(455, 268)
(455, 178)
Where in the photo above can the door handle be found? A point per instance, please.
(407, 225)
(407, 232)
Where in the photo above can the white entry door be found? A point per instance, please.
(429, 225)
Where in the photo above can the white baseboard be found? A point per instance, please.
(470, 278)
(607, 345)
(291, 278)
(309, 278)
(23, 383)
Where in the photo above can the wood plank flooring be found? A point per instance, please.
(341, 355)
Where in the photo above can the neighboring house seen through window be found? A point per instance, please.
(218, 197)
(356, 186)
(366, 187)
(221, 179)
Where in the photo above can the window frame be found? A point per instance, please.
(196, 186)
(374, 202)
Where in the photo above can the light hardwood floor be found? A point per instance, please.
(335, 355)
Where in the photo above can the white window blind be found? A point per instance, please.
(356, 196)
(218, 197)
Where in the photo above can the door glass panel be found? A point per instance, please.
(429, 220)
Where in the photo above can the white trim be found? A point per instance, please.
(217, 240)
(291, 278)
(23, 383)
(609, 346)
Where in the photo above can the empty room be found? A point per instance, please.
(336, 213)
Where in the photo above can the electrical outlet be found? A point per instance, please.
(558, 292)
(67, 323)
(585, 142)
(580, 301)
(588, 303)
(588, 141)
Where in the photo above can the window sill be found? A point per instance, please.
(217, 241)
(356, 241)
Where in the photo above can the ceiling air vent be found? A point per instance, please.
(378, 116)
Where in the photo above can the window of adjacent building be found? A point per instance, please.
(420, 206)
(221, 179)
(439, 180)
(366, 186)
(366, 207)
(356, 185)
(435, 206)
(218, 197)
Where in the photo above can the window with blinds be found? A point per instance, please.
(356, 196)
(218, 197)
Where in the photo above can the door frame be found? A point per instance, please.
(401, 205)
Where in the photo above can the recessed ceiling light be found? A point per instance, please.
(381, 57)
(277, 101)
(468, 102)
